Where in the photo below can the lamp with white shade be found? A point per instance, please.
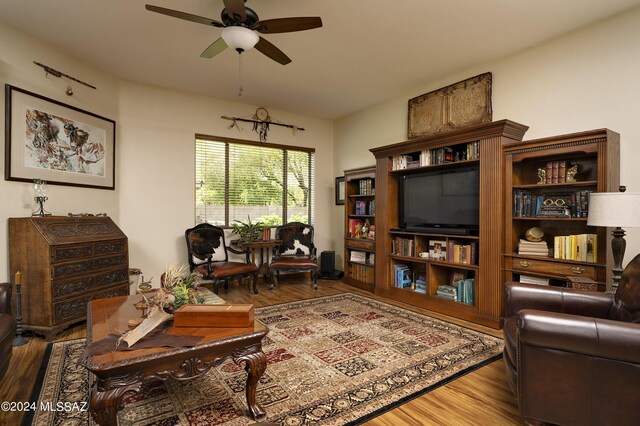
(615, 209)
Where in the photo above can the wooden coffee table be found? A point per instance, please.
(125, 371)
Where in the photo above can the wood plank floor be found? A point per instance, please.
(481, 397)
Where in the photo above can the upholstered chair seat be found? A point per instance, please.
(209, 256)
(296, 253)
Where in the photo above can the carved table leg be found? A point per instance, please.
(255, 364)
(106, 397)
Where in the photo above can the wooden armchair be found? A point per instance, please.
(296, 253)
(208, 255)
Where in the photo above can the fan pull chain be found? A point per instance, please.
(240, 90)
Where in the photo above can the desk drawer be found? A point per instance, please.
(361, 244)
(65, 253)
(89, 283)
(553, 268)
(77, 308)
(81, 267)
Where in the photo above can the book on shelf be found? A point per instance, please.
(557, 205)
(403, 246)
(402, 276)
(447, 292)
(365, 186)
(465, 291)
(462, 252)
(362, 273)
(580, 247)
(556, 171)
(358, 256)
(371, 208)
(438, 249)
(360, 207)
(371, 259)
(530, 279)
(533, 248)
(355, 228)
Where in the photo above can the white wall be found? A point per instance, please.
(585, 80)
(17, 53)
(155, 179)
(157, 152)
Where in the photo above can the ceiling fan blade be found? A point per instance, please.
(214, 48)
(184, 15)
(235, 9)
(287, 25)
(268, 49)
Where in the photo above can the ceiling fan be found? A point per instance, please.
(240, 25)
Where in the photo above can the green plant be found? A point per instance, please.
(178, 287)
(248, 231)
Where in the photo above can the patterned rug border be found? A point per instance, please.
(426, 390)
(42, 371)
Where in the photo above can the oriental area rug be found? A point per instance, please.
(332, 360)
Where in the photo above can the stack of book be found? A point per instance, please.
(447, 292)
(528, 279)
(421, 286)
(532, 248)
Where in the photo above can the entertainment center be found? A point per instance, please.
(453, 235)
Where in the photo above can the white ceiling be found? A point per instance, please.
(368, 51)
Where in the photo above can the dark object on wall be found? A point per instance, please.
(567, 352)
(7, 328)
(328, 266)
(463, 104)
(340, 190)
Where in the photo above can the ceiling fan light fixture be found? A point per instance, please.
(240, 38)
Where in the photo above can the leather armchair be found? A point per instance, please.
(573, 357)
(7, 328)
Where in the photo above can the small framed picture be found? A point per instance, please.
(340, 190)
(438, 250)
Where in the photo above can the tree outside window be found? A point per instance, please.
(237, 180)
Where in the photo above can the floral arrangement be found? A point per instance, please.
(178, 287)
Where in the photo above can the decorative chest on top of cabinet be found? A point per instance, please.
(65, 262)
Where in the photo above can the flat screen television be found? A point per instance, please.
(441, 201)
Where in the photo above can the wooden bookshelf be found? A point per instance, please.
(596, 154)
(360, 191)
(488, 140)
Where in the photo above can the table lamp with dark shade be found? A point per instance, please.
(616, 210)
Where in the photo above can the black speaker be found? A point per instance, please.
(328, 266)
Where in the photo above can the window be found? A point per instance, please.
(237, 180)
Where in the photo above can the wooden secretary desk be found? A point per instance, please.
(65, 262)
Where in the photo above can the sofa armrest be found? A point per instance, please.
(5, 298)
(520, 296)
(596, 337)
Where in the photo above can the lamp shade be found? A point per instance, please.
(239, 38)
(614, 209)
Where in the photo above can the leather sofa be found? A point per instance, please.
(7, 328)
(573, 357)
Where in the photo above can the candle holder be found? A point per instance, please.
(19, 340)
(40, 189)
